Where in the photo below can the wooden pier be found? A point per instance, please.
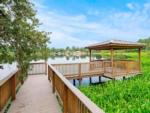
(98, 68)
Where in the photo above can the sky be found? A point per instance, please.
(83, 22)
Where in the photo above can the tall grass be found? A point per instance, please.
(127, 96)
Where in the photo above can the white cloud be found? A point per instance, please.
(130, 6)
(77, 30)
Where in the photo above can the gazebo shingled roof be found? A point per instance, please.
(115, 44)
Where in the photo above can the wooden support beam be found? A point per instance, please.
(112, 61)
(124, 77)
(49, 73)
(65, 100)
(74, 82)
(79, 73)
(100, 80)
(13, 87)
(90, 55)
(0, 99)
(90, 80)
(139, 59)
(53, 82)
(45, 68)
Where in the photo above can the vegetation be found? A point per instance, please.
(66, 51)
(146, 41)
(20, 38)
(128, 96)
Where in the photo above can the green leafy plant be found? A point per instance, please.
(127, 96)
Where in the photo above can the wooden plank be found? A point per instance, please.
(13, 87)
(139, 59)
(65, 100)
(53, 82)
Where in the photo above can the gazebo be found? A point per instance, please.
(115, 68)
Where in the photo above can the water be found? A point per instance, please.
(64, 59)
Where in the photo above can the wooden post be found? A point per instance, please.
(65, 100)
(0, 100)
(90, 55)
(124, 77)
(90, 64)
(100, 79)
(79, 73)
(45, 68)
(112, 61)
(13, 86)
(49, 72)
(90, 80)
(74, 82)
(139, 53)
(53, 82)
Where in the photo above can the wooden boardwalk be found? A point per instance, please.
(35, 96)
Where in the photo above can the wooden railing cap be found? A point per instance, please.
(5, 77)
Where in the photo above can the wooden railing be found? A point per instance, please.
(80, 70)
(73, 101)
(37, 68)
(126, 67)
(8, 88)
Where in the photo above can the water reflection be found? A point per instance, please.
(68, 59)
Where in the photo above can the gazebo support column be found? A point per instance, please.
(90, 54)
(90, 79)
(112, 61)
(139, 58)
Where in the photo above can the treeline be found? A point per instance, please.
(71, 49)
(20, 39)
(146, 41)
(67, 51)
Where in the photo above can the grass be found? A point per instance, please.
(127, 96)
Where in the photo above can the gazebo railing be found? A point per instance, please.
(126, 67)
(80, 70)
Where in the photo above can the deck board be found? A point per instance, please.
(35, 96)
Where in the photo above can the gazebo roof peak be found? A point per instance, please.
(115, 44)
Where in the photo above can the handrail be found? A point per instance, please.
(76, 63)
(89, 105)
(120, 68)
(80, 70)
(5, 79)
(8, 88)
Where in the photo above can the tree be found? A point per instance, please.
(146, 41)
(19, 32)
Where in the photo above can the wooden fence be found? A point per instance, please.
(98, 68)
(80, 70)
(73, 101)
(37, 68)
(8, 88)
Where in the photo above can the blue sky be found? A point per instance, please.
(82, 22)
